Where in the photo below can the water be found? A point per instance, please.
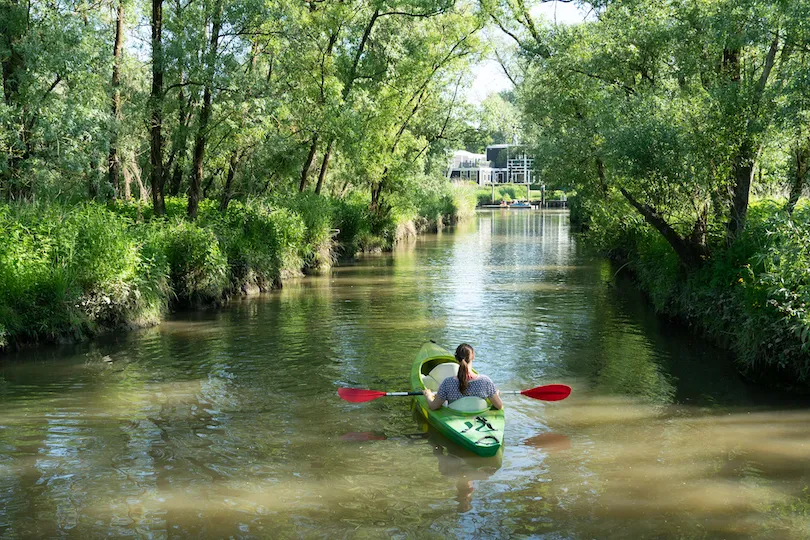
(226, 423)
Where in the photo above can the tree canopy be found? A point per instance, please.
(679, 108)
(224, 99)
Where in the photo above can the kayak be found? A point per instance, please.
(470, 422)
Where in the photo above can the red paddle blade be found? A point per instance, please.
(358, 395)
(549, 392)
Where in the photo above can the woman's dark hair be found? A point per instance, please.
(464, 355)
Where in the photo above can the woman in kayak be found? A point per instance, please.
(465, 384)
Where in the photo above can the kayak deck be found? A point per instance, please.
(480, 432)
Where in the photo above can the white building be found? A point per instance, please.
(501, 164)
(466, 166)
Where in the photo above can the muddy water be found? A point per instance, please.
(227, 424)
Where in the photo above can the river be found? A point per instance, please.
(226, 423)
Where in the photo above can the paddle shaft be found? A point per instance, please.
(549, 392)
(502, 392)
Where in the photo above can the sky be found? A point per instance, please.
(489, 77)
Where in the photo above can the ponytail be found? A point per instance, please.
(464, 355)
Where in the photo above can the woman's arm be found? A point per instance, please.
(495, 399)
(433, 400)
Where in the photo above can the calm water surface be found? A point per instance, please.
(227, 423)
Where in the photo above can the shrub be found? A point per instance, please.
(464, 201)
(197, 267)
(318, 214)
(353, 223)
(65, 271)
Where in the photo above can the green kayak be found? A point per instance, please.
(469, 422)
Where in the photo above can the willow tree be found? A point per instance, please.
(666, 104)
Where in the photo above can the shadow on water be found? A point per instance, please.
(460, 466)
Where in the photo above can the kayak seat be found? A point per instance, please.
(442, 371)
(430, 383)
(469, 404)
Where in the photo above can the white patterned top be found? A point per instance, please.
(482, 387)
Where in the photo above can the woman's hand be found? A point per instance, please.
(432, 401)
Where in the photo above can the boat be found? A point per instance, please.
(520, 204)
(469, 422)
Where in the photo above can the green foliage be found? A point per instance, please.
(65, 271)
(666, 117)
(753, 296)
(353, 222)
(433, 202)
(318, 214)
(197, 266)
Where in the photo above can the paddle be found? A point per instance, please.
(548, 392)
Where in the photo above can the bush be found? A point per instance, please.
(197, 267)
(65, 271)
(437, 202)
(318, 214)
(464, 201)
(353, 223)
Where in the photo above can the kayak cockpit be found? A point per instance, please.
(433, 375)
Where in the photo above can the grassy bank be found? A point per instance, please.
(70, 271)
(753, 298)
(512, 192)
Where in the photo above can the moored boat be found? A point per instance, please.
(470, 422)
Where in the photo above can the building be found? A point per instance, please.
(466, 166)
(501, 164)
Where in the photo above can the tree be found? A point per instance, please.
(668, 105)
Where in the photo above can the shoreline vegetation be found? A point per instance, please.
(70, 272)
(751, 298)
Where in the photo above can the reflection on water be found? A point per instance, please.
(226, 423)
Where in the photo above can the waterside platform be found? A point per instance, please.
(532, 204)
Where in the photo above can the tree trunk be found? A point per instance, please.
(210, 182)
(376, 192)
(743, 170)
(156, 105)
(800, 154)
(744, 161)
(347, 89)
(324, 166)
(126, 176)
(205, 116)
(691, 255)
(314, 143)
(233, 163)
(600, 173)
(12, 30)
(114, 160)
(181, 141)
(313, 147)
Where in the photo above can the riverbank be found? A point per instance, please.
(68, 272)
(752, 298)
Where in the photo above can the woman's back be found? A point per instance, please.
(482, 387)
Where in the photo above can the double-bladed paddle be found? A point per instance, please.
(548, 392)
